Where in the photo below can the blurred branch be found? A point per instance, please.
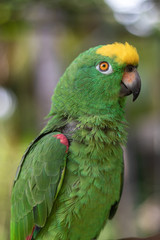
(157, 237)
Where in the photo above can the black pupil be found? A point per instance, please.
(104, 65)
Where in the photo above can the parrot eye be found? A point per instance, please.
(104, 67)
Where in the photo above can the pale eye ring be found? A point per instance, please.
(104, 67)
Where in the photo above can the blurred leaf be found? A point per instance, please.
(5, 13)
(13, 29)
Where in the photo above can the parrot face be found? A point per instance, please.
(98, 79)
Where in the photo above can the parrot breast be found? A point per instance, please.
(91, 185)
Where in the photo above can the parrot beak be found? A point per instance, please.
(131, 82)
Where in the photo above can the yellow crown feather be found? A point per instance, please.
(123, 53)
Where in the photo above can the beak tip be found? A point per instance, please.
(136, 94)
(134, 97)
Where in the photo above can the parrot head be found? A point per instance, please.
(97, 81)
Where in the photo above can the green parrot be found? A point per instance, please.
(70, 179)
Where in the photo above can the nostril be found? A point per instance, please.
(129, 68)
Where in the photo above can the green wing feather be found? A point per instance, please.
(115, 206)
(37, 184)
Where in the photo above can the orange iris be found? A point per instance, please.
(104, 66)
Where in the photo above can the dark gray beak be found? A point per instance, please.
(131, 82)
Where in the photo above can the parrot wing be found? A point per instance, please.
(115, 205)
(38, 181)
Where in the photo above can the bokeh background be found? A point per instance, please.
(38, 40)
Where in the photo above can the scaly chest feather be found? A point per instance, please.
(90, 188)
(94, 188)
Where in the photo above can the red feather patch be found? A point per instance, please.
(30, 237)
(63, 140)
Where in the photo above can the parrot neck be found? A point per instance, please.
(75, 106)
(102, 129)
(111, 122)
(105, 128)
